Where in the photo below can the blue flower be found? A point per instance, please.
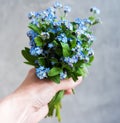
(62, 37)
(43, 15)
(78, 20)
(57, 5)
(80, 55)
(54, 30)
(57, 24)
(34, 21)
(31, 15)
(90, 52)
(41, 72)
(32, 43)
(72, 60)
(63, 75)
(79, 32)
(95, 10)
(50, 10)
(35, 51)
(67, 9)
(90, 37)
(82, 23)
(50, 45)
(87, 21)
(50, 15)
(31, 34)
(67, 24)
(45, 35)
(86, 59)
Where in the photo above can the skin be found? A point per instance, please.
(29, 102)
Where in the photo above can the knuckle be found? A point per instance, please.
(31, 71)
(38, 104)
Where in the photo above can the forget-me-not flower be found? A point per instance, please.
(41, 72)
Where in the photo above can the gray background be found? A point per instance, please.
(97, 100)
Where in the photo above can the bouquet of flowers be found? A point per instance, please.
(59, 48)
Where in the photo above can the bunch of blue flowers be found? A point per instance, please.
(59, 48)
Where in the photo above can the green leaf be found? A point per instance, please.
(66, 66)
(28, 63)
(56, 79)
(26, 54)
(80, 72)
(91, 59)
(55, 42)
(96, 21)
(73, 43)
(79, 63)
(41, 61)
(38, 41)
(74, 76)
(65, 49)
(91, 18)
(34, 28)
(54, 71)
(54, 60)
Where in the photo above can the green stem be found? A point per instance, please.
(55, 105)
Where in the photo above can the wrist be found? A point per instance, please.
(14, 108)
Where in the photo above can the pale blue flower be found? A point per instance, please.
(41, 72)
(82, 23)
(32, 43)
(87, 21)
(67, 9)
(79, 32)
(86, 59)
(62, 37)
(50, 45)
(35, 51)
(63, 75)
(31, 15)
(50, 15)
(57, 5)
(50, 10)
(31, 34)
(95, 10)
(78, 20)
(57, 24)
(71, 60)
(90, 52)
(67, 24)
(45, 35)
(34, 21)
(80, 55)
(43, 15)
(90, 37)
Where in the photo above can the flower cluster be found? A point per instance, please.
(60, 48)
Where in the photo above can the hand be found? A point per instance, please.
(29, 102)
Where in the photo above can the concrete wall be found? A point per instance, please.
(97, 100)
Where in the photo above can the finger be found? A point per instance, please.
(68, 84)
(68, 92)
